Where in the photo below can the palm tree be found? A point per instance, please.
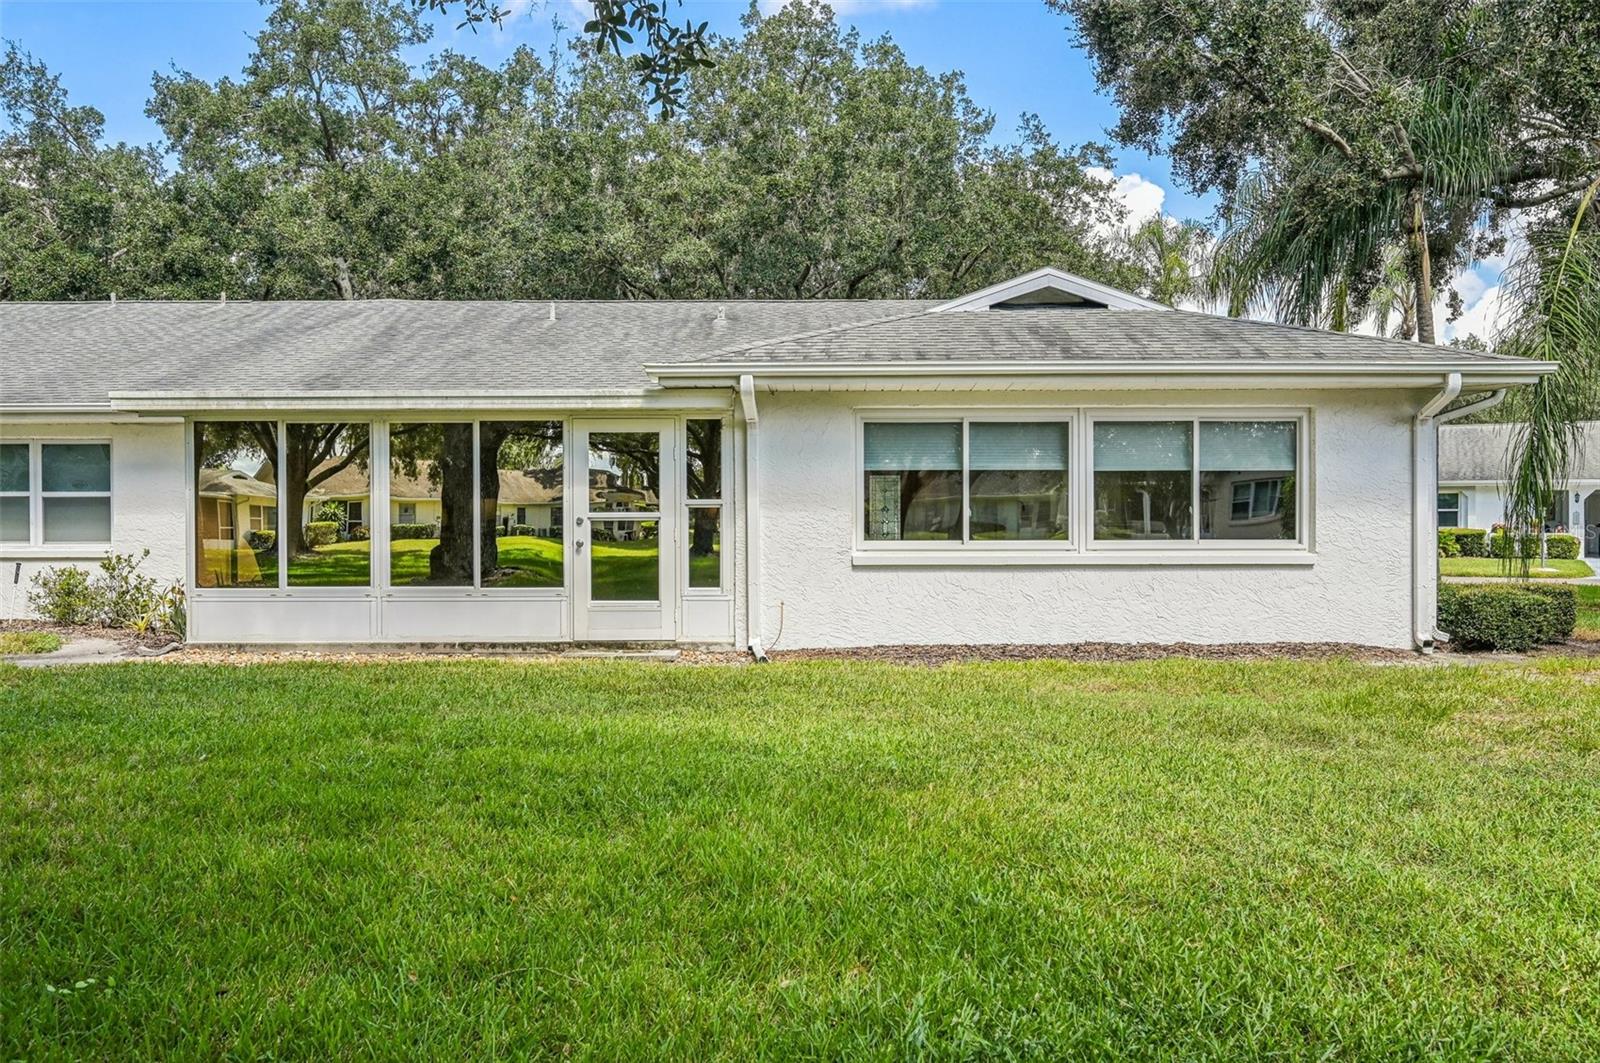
(1172, 256)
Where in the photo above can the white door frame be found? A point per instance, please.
(625, 621)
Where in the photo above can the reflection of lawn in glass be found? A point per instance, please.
(705, 570)
(626, 571)
(525, 561)
(255, 568)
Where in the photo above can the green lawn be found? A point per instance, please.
(1493, 566)
(1588, 613)
(817, 860)
(21, 642)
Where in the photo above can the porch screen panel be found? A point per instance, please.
(327, 492)
(1017, 480)
(1143, 480)
(520, 504)
(1247, 480)
(912, 480)
(430, 467)
(16, 482)
(235, 469)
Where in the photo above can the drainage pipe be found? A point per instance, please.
(1424, 517)
(752, 516)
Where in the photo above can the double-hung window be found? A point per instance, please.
(969, 481)
(1195, 479)
(55, 493)
(1450, 509)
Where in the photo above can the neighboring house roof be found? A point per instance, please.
(75, 354)
(517, 487)
(1470, 453)
(231, 483)
(167, 356)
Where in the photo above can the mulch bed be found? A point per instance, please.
(68, 632)
(1101, 651)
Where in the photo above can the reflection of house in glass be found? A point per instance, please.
(232, 504)
(1246, 505)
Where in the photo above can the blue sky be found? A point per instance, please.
(1016, 54)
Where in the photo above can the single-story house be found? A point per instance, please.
(1047, 460)
(1474, 465)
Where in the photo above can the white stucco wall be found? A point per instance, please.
(147, 505)
(1358, 589)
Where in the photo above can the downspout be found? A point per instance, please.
(1424, 536)
(752, 517)
(1493, 399)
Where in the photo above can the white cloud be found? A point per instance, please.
(1140, 197)
(1483, 317)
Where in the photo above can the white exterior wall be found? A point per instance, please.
(1358, 588)
(148, 507)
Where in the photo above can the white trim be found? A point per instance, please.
(1424, 516)
(1048, 277)
(1395, 372)
(752, 517)
(1069, 559)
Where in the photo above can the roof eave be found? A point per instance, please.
(1399, 374)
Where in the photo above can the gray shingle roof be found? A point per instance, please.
(1479, 452)
(76, 354)
(1057, 334)
(68, 354)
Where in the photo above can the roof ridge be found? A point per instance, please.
(806, 335)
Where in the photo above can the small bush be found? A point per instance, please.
(359, 533)
(119, 595)
(260, 541)
(64, 595)
(1448, 544)
(1562, 547)
(524, 529)
(322, 533)
(1490, 617)
(1470, 540)
(413, 531)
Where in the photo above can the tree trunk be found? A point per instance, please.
(347, 288)
(294, 498)
(490, 435)
(451, 561)
(1421, 265)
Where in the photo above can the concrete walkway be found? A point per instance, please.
(1581, 581)
(77, 651)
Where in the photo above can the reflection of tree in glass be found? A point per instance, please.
(313, 454)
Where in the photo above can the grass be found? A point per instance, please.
(1493, 566)
(1204, 860)
(627, 571)
(13, 643)
(1588, 613)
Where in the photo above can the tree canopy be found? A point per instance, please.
(805, 162)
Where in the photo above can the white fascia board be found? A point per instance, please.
(1048, 277)
(1195, 374)
(466, 401)
(100, 414)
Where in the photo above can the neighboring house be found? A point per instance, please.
(1047, 460)
(1474, 465)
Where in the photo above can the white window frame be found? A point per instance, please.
(1082, 548)
(1251, 516)
(1460, 507)
(1196, 416)
(719, 503)
(36, 496)
(966, 544)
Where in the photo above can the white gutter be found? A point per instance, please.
(1518, 369)
(1424, 533)
(1494, 399)
(752, 517)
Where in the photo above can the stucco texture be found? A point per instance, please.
(147, 505)
(1358, 590)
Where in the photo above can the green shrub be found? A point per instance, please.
(413, 531)
(260, 541)
(322, 533)
(1470, 540)
(1448, 545)
(523, 529)
(1491, 617)
(1562, 547)
(359, 533)
(64, 595)
(119, 595)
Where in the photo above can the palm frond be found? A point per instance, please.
(1556, 292)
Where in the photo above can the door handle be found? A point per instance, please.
(578, 545)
